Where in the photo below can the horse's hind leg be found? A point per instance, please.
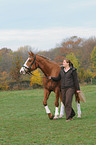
(46, 96)
(62, 107)
(56, 103)
(78, 107)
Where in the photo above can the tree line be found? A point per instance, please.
(82, 53)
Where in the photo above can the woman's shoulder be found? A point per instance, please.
(73, 68)
(62, 68)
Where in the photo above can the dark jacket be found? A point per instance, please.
(68, 79)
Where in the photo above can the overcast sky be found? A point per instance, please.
(43, 24)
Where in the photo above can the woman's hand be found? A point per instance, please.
(78, 91)
(49, 77)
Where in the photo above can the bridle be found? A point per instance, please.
(30, 73)
(29, 68)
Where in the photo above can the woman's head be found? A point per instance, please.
(67, 62)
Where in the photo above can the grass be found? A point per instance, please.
(23, 120)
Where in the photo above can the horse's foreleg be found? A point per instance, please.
(46, 96)
(56, 112)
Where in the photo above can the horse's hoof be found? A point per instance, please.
(55, 118)
(60, 117)
(79, 116)
(50, 116)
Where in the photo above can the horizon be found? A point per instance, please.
(43, 24)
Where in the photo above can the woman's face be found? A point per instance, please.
(65, 64)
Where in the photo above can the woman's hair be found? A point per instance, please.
(68, 61)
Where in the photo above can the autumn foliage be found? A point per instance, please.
(4, 80)
(82, 53)
(36, 78)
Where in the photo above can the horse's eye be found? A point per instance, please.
(29, 60)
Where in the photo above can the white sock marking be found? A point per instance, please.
(47, 109)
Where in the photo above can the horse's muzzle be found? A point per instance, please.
(22, 71)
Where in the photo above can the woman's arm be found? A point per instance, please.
(58, 78)
(76, 81)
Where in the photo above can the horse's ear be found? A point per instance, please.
(31, 54)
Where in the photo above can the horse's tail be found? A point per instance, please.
(80, 97)
(77, 99)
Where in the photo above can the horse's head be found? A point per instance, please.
(29, 65)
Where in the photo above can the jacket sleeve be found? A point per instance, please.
(58, 78)
(75, 78)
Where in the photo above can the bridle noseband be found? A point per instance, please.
(29, 68)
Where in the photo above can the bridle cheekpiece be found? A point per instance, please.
(29, 68)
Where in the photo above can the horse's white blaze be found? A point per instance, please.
(26, 62)
(22, 68)
(61, 110)
(47, 109)
(78, 109)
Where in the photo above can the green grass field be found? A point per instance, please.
(23, 120)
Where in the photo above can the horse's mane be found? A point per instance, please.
(45, 57)
(48, 59)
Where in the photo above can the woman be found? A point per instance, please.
(69, 84)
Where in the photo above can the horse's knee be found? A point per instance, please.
(46, 96)
(44, 103)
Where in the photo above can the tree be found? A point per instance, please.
(5, 60)
(0, 56)
(81, 75)
(93, 60)
(84, 52)
(88, 76)
(36, 78)
(67, 46)
(93, 63)
(15, 70)
(4, 80)
(73, 59)
(93, 56)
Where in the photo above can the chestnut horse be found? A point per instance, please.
(49, 68)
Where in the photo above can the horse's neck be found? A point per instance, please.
(44, 65)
